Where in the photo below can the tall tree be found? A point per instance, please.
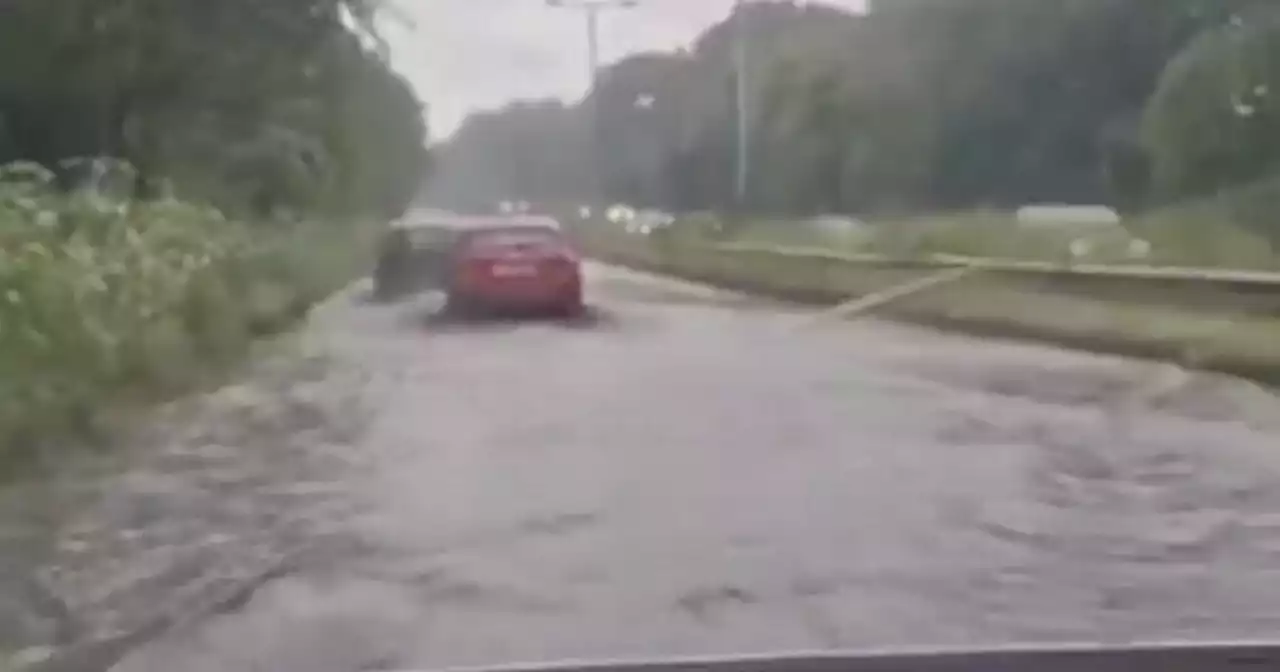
(241, 101)
(918, 104)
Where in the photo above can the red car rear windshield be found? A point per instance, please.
(505, 240)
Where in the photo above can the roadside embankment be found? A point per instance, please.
(107, 304)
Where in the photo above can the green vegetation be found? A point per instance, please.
(1196, 234)
(183, 176)
(1213, 121)
(1233, 228)
(254, 107)
(917, 107)
(105, 299)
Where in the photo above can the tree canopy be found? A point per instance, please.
(251, 104)
(1214, 120)
(915, 105)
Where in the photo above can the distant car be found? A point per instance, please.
(647, 222)
(620, 214)
(519, 264)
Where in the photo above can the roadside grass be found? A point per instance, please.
(1191, 324)
(1220, 232)
(106, 303)
(989, 234)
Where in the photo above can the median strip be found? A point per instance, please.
(1223, 322)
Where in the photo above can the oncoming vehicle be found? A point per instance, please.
(515, 264)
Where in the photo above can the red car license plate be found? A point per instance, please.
(514, 270)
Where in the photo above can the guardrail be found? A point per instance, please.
(1165, 273)
(1215, 290)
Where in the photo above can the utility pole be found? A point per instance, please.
(743, 153)
(592, 9)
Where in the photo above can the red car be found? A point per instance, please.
(523, 264)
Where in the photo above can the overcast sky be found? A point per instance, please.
(469, 54)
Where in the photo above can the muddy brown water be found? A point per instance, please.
(683, 472)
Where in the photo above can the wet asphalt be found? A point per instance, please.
(685, 471)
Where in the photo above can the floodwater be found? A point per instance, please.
(682, 472)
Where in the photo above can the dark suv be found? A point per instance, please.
(413, 257)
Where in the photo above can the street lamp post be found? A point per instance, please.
(591, 9)
(743, 153)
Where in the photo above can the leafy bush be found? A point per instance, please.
(101, 297)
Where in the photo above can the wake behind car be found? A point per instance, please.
(523, 264)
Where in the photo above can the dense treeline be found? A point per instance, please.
(917, 105)
(246, 103)
(236, 146)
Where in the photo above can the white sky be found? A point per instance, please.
(475, 54)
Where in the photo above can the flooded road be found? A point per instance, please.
(690, 472)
